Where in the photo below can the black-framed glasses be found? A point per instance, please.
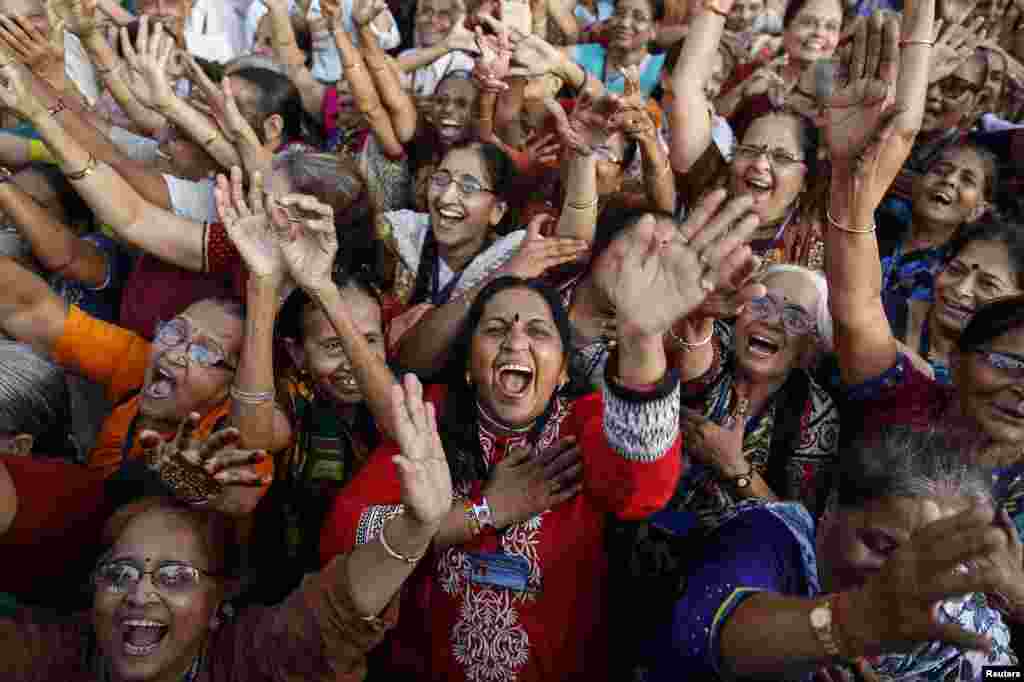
(174, 333)
(1008, 363)
(795, 320)
(171, 577)
(777, 158)
(955, 87)
(466, 184)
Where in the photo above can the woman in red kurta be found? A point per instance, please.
(536, 473)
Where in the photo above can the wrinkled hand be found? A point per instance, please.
(208, 473)
(955, 11)
(729, 298)
(765, 81)
(309, 240)
(236, 128)
(15, 94)
(29, 46)
(1006, 568)
(248, 224)
(896, 608)
(719, 447)
(149, 57)
(208, 95)
(331, 10)
(537, 254)
(660, 275)
(79, 16)
(422, 465)
(527, 483)
(492, 66)
(365, 11)
(461, 38)
(954, 44)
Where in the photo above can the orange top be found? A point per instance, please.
(117, 359)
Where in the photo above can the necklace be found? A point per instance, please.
(495, 425)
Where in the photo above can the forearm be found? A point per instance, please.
(566, 21)
(54, 245)
(206, 134)
(366, 95)
(454, 528)
(689, 114)
(659, 179)
(771, 634)
(15, 150)
(579, 209)
(374, 377)
(422, 56)
(287, 51)
(29, 310)
(667, 35)
(396, 100)
(111, 71)
(254, 418)
(8, 500)
(374, 576)
(488, 103)
(424, 348)
(915, 36)
(641, 360)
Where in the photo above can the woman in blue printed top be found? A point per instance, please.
(632, 25)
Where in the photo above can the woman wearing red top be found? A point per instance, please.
(503, 596)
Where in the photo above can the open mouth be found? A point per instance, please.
(345, 381)
(814, 45)
(142, 637)
(762, 346)
(961, 313)
(943, 197)
(161, 385)
(759, 187)
(448, 128)
(514, 380)
(450, 214)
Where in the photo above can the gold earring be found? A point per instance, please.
(469, 379)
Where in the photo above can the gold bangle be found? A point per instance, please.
(90, 166)
(395, 555)
(474, 524)
(687, 346)
(844, 228)
(211, 140)
(927, 43)
(582, 206)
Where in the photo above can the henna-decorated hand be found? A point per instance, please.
(209, 473)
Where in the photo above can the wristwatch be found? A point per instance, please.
(742, 481)
(821, 623)
(484, 515)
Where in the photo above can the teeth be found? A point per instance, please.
(445, 213)
(759, 184)
(143, 624)
(515, 368)
(763, 339)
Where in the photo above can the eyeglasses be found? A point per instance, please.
(954, 87)
(466, 184)
(777, 158)
(179, 331)
(795, 320)
(1009, 364)
(173, 577)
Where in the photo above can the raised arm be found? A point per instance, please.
(132, 217)
(53, 243)
(287, 51)
(29, 310)
(690, 112)
(636, 122)
(868, 143)
(385, 74)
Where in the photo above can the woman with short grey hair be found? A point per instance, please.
(33, 399)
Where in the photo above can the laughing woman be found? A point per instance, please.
(537, 473)
(160, 587)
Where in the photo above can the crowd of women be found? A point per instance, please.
(511, 341)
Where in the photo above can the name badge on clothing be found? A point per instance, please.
(506, 571)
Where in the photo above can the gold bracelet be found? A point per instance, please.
(687, 346)
(395, 555)
(583, 206)
(90, 166)
(107, 72)
(211, 140)
(252, 398)
(927, 43)
(852, 230)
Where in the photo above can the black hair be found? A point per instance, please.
(991, 321)
(1008, 234)
(796, 6)
(904, 461)
(75, 208)
(500, 168)
(276, 95)
(290, 320)
(657, 9)
(458, 420)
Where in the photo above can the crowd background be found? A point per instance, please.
(511, 340)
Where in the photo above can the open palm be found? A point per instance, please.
(248, 225)
(422, 466)
(309, 242)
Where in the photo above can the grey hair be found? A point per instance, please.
(822, 316)
(33, 395)
(903, 461)
(255, 61)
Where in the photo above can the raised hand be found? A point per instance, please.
(209, 473)
(657, 278)
(955, 11)
(422, 466)
(308, 239)
(365, 11)
(633, 118)
(852, 114)
(15, 94)
(895, 610)
(248, 225)
(537, 253)
(461, 38)
(150, 58)
(236, 128)
(528, 482)
(492, 66)
(30, 47)
(954, 44)
(211, 95)
(79, 16)
(719, 447)
(331, 9)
